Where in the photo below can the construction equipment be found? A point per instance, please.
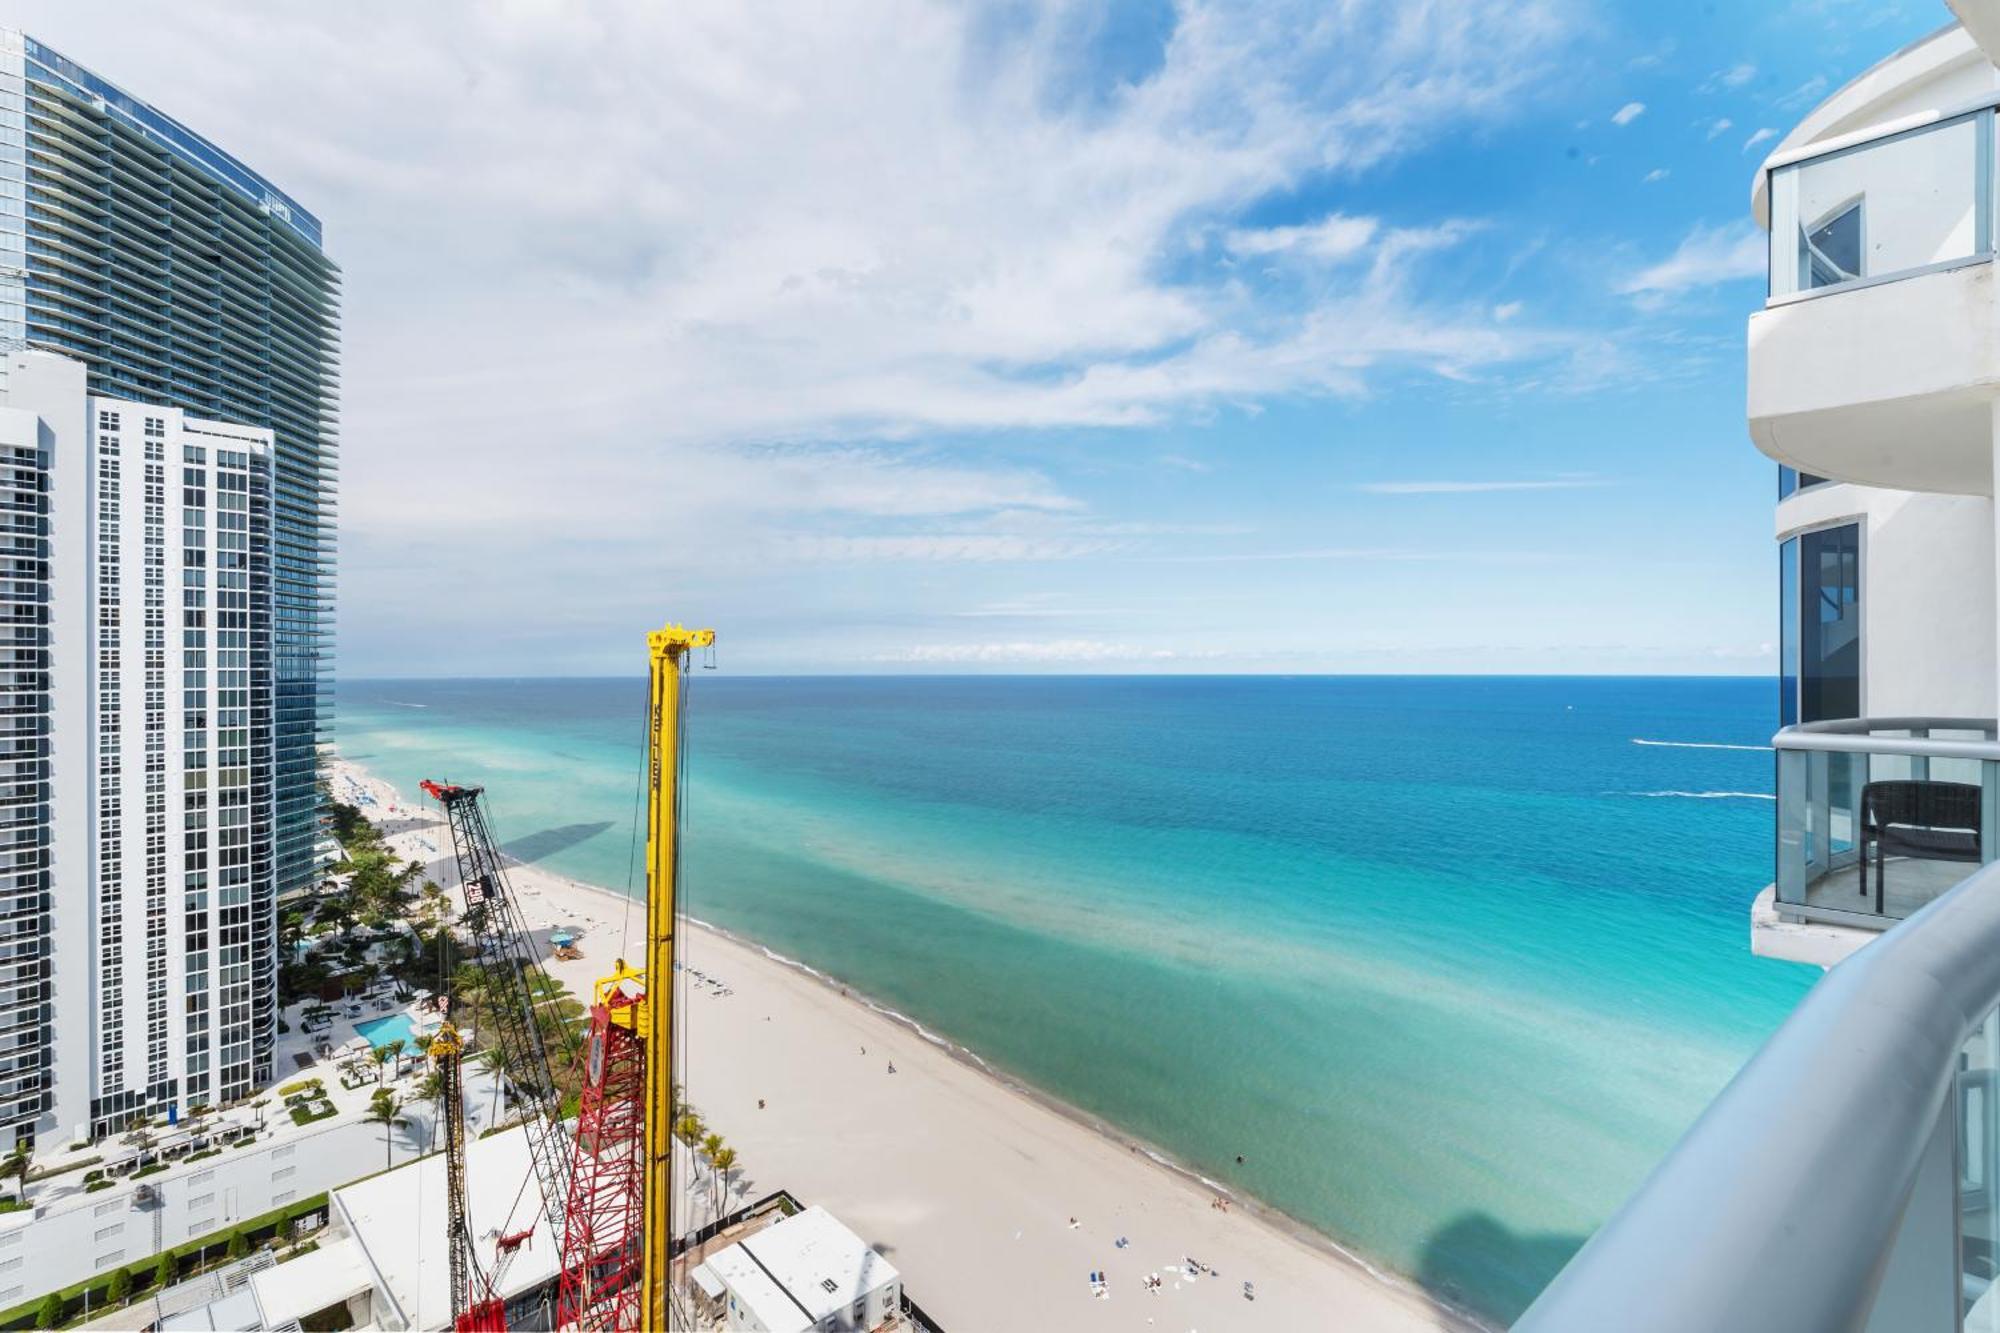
(618, 1245)
(474, 1306)
(669, 650)
(599, 1288)
(518, 989)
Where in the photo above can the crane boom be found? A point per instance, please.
(494, 921)
(669, 649)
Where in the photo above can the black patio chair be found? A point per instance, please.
(1926, 821)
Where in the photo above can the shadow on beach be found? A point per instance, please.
(531, 847)
(1476, 1252)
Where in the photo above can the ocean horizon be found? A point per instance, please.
(1447, 961)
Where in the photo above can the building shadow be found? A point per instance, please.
(547, 842)
(1477, 1263)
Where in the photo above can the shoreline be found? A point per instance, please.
(1396, 1292)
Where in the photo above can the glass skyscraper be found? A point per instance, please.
(178, 276)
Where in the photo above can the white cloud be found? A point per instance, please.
(1478, 487)
(1705, 256)
(1656, 174)
(1761, 136)
(1035, 652)
(1724, 79)
(1335, 237)
(637, 280)
(1808, 91)
(1506, 310)
(1628, 113)
(1719, 127)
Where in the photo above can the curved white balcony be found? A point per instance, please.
(1877, 359)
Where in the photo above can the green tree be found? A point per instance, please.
(382, 1110)
(395, 1050)
(14, 1166)
(493, 1060)
(50, 1315)
(690, 1128)
(121, 1287)
(163, 1271)
(719, 1162)
(239, 1244)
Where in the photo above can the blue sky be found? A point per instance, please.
(1273, 337)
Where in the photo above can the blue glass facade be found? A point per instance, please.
(178, 275)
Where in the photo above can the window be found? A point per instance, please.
(1820, 628)
(1791, 481)
(1830, 249)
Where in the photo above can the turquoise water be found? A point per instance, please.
(1449, 962)
(381, 1031)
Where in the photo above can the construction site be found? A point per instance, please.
(568, 1216)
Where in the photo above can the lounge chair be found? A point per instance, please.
(1925, 821)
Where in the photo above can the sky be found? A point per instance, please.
(1328, 336)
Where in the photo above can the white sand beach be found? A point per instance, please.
(996, 1204)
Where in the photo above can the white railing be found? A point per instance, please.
(1846, 1178)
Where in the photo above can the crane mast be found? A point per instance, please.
(474, 1306)
(669, 650)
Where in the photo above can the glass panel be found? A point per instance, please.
(1979, 1178)
(1879, 209)
(1880, 836)
(1788, 633)
(1830, 623)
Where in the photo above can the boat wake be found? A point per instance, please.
(1697, 745)
(1704, 795)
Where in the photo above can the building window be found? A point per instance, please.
(1791, 481)
(1819, 632)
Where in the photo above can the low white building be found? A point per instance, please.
(807, 1272)
(398, 1220)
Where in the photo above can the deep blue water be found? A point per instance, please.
(1450, 961)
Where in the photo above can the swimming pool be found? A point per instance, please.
(381, 1031)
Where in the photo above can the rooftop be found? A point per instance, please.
(794, 1273)
(398, 1218)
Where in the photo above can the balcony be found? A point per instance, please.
(1879, 817)
(1876, 358)
(1846, 1177)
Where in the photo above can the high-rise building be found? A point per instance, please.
(183, 282)
(150, 595)
(180, 276)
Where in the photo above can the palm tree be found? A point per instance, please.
(690, 1128)
(721, 1160)
(395, 1050)
(493, 1060)
(382, 1110)
(381, 1063)
(711, 1144)
(14, 1166)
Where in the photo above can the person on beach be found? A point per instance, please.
(892, 1066)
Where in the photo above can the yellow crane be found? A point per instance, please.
(670, 649)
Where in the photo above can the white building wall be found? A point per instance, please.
(1927, 598)
(154, 523)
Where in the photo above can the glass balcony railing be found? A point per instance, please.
(1892, 207)
(1879, 816)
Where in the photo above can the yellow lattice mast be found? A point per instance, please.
(670, 650)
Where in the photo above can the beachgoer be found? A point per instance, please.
(892, 1066)
(760, 1103)
(1239, 1159)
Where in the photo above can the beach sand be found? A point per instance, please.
(995, 1203)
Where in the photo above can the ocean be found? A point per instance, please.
(1449, 962)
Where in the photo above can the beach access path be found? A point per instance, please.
(995, 1205)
